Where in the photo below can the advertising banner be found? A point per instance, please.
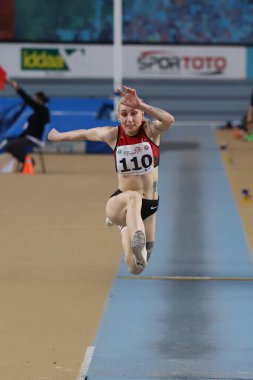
(185, 62)
(56, 60)
(250, 63)
(139, 61)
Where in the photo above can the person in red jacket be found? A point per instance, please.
(135, 143)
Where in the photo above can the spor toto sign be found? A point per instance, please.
(163, 61)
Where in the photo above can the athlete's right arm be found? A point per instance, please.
(105, 134)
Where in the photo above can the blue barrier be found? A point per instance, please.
(66, 114)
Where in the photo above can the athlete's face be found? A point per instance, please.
(130, 119)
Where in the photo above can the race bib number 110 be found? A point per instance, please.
(134, 159)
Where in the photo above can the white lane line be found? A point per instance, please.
(197, 123)
(184, 278)
(75, 113)
(86, 363)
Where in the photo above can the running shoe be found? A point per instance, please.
(108, 222)
(139, 249)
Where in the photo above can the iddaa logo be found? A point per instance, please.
(42, 59)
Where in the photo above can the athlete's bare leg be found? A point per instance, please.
(125, 210)
(149, 224)
(129, 256)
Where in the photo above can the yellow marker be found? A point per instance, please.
(247, 199)
(230, 159)
(246, 196)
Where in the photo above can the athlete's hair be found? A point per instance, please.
(121, 99)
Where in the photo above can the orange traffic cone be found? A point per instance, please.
(28, 165)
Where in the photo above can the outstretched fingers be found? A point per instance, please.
(128, 91)
(120, 92)
(130, 97)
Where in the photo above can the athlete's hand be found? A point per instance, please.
(130, 98)
(54, 135)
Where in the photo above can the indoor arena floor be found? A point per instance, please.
(70, 310)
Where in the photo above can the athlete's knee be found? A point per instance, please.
(133, 196)
(149, 248)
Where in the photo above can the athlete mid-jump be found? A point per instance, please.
(135, 144)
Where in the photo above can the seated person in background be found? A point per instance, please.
(248, 136)
(33, 129)
(249, 121)
(245, 124)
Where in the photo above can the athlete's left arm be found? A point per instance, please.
(163, 120)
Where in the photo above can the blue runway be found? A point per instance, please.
(189, 316)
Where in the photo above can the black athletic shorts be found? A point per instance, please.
(149, 206)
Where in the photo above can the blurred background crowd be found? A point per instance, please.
(144, 21)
